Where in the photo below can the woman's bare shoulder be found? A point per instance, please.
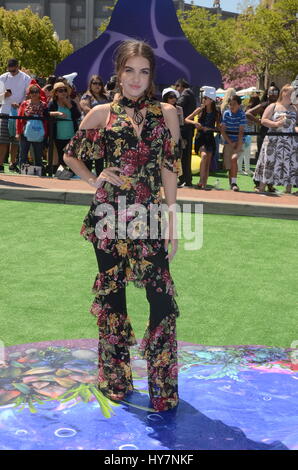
(171, 119)
(97, 117)
(169, 111)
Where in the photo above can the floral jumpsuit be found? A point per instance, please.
(123, 259)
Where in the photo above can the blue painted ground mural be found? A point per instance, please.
(232, 397)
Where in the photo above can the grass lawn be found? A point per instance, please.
(239, 288)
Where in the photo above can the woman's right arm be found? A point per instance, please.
(95, 119)
(190, 119)
(252, 113)
(85, 104)
(266, 118)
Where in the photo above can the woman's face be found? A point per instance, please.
(97, 86)
(134, 79)
(287, 96)
(34, 94)
(273, 94)
(172, 99)
(206, 100)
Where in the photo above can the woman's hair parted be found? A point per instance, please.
(284, 90)
(134, 48)
(96, 78)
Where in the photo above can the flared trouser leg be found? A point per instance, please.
(159, 345)
(159, 348)
(114, 369)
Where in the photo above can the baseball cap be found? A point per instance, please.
(170, 90)
(12, 63)
(210, 92)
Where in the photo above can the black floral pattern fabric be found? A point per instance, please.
(138, 256)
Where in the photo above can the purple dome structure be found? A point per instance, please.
(156, 22)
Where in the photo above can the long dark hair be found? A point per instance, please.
(265, 95)
(253, 101)
(203, 112)
(102, 91)
(134, 48)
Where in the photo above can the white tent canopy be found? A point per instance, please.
(247, 91)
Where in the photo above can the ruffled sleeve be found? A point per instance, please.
(86, 144)
(171, 154)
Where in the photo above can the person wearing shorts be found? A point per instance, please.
(233, 123)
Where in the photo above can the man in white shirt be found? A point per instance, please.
(15, 84)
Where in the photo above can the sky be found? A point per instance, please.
(227, 5)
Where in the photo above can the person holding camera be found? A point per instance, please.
(15, 84)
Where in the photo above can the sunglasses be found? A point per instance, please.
(97, 83)
(34, 92)
(62, 90)
(273, 92)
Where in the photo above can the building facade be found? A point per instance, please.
(79, 20)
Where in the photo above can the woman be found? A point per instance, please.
(208, 121)
(245, 155)
(232, 130)
(33, 107)
(278, 163)
(170, 95)
(229, 93)
(254, 113)
(94, 95)
(139, 137)
(61, 106)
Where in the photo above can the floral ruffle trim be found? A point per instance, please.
(159, 348)
(109, 281)
(162, 338)
(87, 144)
(141, 272)
(114, 328)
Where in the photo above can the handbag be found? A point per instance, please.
(34, 130)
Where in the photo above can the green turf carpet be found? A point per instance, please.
(239, 288)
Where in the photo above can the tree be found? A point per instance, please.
(30, 39)
(270, 40)
(211, 36)
(105, 23)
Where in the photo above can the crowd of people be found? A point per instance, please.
(273, 117)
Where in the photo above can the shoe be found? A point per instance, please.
(200, 186)
(190, 185)
(271, 188)
(14, 167)
(234, 187)
(65, 175)
(181, 185)
(1, 169)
